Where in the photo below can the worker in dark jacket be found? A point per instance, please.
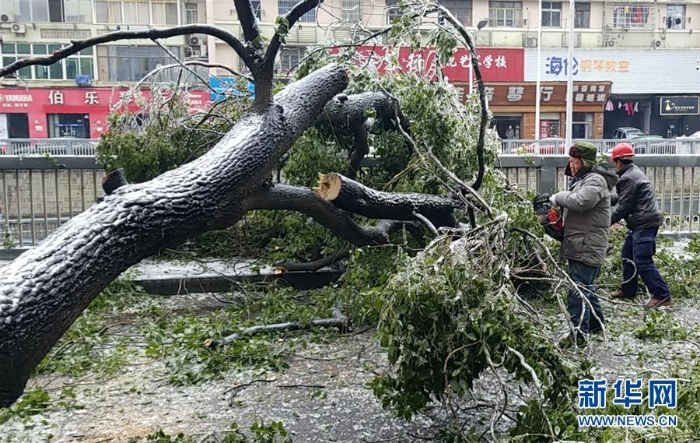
(586, 232)
(636, 203)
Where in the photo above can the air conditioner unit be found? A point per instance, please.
(610, 42)
(4, 18)
(196, 53)
(656, 43)
(530, 42)
(18, 28)
(195, 40)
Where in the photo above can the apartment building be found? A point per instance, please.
(73, 97)
(635, 63)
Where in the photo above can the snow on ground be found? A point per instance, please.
(321, 397)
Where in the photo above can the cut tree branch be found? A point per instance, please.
(113, 181)
(294, 198)
(351, 112)
(339, 320)
(482, 92)
(315, 265)
(359, 151)
(150, 34)
(354, 197)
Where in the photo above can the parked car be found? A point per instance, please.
(627, 133)
(549, 145)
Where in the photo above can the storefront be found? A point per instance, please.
(68, 112)
(641, 80)
(677, 115)
(513, 108)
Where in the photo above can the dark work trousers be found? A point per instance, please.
(584, 275)
(640, 247)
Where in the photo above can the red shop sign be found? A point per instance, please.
(80, 100)
(496, 64)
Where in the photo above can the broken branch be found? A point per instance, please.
(354, 197)
(339, 320)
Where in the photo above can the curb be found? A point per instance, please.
(223, 283)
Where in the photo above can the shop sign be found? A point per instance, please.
(495, 64)
(636, 71)
(679, 105)
(552, 94)
(51, 100)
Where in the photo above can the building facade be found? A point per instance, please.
(645, 55)
(73, 97)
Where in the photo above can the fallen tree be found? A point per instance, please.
(44, 290)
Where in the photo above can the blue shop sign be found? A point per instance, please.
(224, 87)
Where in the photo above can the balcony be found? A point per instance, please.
(55, 32)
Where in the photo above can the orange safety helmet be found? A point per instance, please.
(622, 150)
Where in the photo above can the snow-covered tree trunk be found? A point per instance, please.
(45, 290)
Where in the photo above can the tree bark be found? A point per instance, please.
(294, 198)
(44, 290)
(352, 196)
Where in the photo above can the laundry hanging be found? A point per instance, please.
(609, 106)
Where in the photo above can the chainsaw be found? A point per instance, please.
(549, 217)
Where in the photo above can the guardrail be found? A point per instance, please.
(48, 146)
(38, 195)
(556, 146)
(676, 180)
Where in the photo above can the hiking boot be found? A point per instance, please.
(654, 303)
(622, 295)
(596, 330)
(568, 341)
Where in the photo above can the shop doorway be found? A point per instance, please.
(17, 126)
(69, 125)
(508, 126)
(582, 125)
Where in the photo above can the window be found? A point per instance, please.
(551, 14)
(285, 6)
(290, 58)
(191, 13)
(675, 16)
(352, 10)
(392, 10)
(583, 15)
(132, 63)
(31, 10)
(630, 15)
(79, 64)
(68, 125)
(164, 12)
(505, 14)
(582, 125)
(77, 11)
(461, 9)
(256, 8)
(108, 11)
(137, 12)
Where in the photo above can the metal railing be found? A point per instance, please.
(556, 146)
(676, 180)
(48, 146)
(38, 195)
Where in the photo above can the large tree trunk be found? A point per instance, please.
(45, 289)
